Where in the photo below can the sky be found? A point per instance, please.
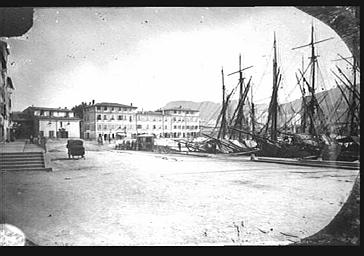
(150, 56)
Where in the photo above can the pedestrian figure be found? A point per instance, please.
(100, 139)
(43, 143)
(31, 139)
(179, 146)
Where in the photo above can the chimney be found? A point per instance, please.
(93, 102)
(131, 104)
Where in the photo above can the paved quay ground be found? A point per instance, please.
(140, 198)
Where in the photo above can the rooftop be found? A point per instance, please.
(110, 104)
(180, 108)
(149, 113)
(48, 109)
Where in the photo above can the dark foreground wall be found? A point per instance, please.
(15, 21)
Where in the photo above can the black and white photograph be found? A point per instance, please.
(180, 126)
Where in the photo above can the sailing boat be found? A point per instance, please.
(310, 142)
(349, 140)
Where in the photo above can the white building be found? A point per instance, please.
(116, 121)
(109, 120)
(169, 123)
(54, 122)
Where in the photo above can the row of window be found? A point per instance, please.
(139, 126)
(53, 113)
(111, 127)
(130, 118)
(119, 117)
(113, 109)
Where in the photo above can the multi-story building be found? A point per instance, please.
(6, 88)
(181, 122)
(169, 123)
(109, 120)
(116, 121)
(53, 122)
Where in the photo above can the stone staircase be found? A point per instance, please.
(23, 161)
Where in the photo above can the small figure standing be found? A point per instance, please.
(31, 139)
(99, 140)
(43, 143)
(179, 146)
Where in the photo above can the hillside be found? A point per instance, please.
(209, 111)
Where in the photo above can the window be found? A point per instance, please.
(183, 127)
(175, 112)
(139, 126)
(99, 127)
(119, 108)
(105, 117)
(174, 126)
(165, 127)
(98, 108)
(154, 127)
(41, 133)
(120, 117)
(112, 109)
(61, 123)
(112, 117)
(98, 117)
(130, 118)
(105, 127)
(179, 127)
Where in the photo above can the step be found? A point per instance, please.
(20, 153)
(22, 167)
(21, 157)
(27, 169)
(20, 162)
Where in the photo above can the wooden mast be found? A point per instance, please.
(273, 105)
(274, 96)
(222, 130)
(313, 104)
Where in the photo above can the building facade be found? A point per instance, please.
(181, 122)
(53, 122)
(117, 121)
(108, 120)
(6, 88)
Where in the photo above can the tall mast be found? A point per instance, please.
(304, 107)
(241, 94)
(253, 110)
(223, 118)
(274, 93)
(353, 103)
(313, 102)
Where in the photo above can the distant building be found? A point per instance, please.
(6, 88)
(181, 122)
(117, 121)
(52, 122)
(109, 120)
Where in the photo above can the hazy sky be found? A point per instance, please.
(150, 56)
